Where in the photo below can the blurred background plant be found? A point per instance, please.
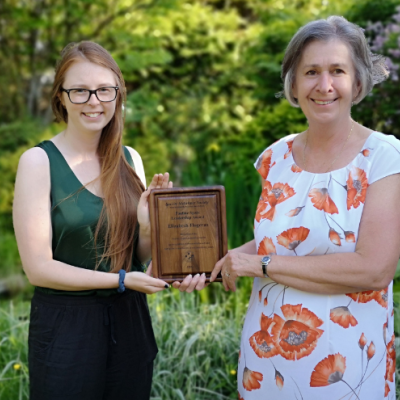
(202, 78)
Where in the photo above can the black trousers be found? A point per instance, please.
(90, 348)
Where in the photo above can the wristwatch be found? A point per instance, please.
(264, 264)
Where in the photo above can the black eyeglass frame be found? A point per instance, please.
(92, 92)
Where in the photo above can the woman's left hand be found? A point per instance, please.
(190, 283)
(226, 266)
(233, 265)
(159, 181)
(197, 282)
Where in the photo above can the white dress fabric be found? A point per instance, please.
(299, 345)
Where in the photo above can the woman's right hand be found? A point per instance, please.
(159, 181)
(142, 282)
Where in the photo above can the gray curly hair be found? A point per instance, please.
(369, 68)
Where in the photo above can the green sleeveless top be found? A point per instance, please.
(75, 212)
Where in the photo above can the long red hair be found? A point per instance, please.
(120, 184)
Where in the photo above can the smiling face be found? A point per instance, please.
(93, 116)
(325, 83)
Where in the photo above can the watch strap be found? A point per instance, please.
(264, 265)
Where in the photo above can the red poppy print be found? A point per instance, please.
(328, 371)
(322, 201)
(391, 349)
(357, 185)
(289, 152)
(380, 296)
(362, 341)
(387, 389)
(349, 237)
(240, 397)
(260, 297)
(293, 237)
(293, 338)
(371, 350)
(297, 336)
(266, 247)
(261, 209)
(334, 237)
(384, 331)
(279, 379)
(264, 163)
(343, 317)
(278, 193)
(362, 297)
(296, 169)
(390, 364)
(294, 212)
(275, 195)
(261, 342)
(251, 379)
(365, 152)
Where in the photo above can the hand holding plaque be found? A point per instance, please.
(188, 231)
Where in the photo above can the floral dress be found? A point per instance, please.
(299, 345)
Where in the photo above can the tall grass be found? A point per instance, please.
(14, 378)
(197, 334)
(198, 345)
(9, 259)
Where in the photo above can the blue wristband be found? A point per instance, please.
(121, 287)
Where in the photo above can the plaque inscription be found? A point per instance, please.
(188, 231)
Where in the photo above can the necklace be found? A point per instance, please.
(330, 165)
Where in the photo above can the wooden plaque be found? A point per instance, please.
(188, 231)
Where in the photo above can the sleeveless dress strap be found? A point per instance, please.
(128, 157)
(63, 180)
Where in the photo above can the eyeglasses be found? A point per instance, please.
(80, 96)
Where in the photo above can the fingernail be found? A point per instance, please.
(190, 275)
(197, 275)
(166, 286)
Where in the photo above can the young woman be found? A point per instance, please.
(82, 225)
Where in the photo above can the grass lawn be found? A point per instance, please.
(198, 337)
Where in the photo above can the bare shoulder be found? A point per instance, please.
(34, 158)
(33, 169)
(299, 140)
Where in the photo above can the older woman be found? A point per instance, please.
(327, 235)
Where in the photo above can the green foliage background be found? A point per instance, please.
(202, 78)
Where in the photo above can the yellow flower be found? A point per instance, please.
(17, 366)
(233, 372)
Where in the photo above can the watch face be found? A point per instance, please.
(265, 259)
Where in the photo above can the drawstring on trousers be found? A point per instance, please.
(110, 320)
